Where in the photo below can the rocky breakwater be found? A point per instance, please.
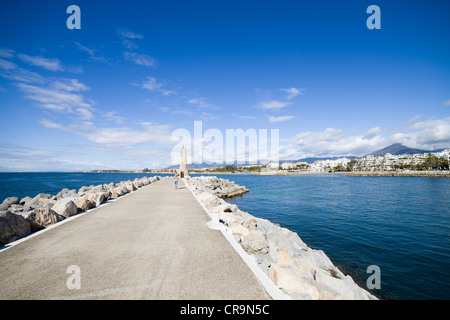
(222, 188)
(20, 218)
(297, 270)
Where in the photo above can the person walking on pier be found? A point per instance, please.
(176, 180)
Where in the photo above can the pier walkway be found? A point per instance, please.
(151, 244)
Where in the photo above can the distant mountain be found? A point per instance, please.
(213, 165)
(397, 149)
(313, 159)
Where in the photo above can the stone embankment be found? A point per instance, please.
(20, 218)
(299, 271)
(224, 188)
(406, 173)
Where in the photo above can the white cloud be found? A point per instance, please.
(244, 117)
(273, 105)
(20, 158)
(140, 59)
(59, 98)
(70, 85)
(6, 53)
(206, 116)
(428, 135)
(112, 116)
(293, 92)
(280, 119)
(12, 71)
(7, 65)
(129, 34)
(21, 75)
(93, 56)
(51, 125)
(151, 84)
(121, 137)
(85, 114)
(38, 61)
(202, 104)
(447, 103)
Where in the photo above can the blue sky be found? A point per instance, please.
(109, 96)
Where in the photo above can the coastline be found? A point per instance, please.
(429, 174)
(426, 174)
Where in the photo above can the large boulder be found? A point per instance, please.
(62, 193)
(255, 243)
(25, 200)
(35, 200)
(121, 190)
(8, 202)
(44, 202)
(130, 186)
(39, 218)
(65, 207)
(112, 194)
(12, 227)
(84, 204)
(97, 198)
(15, 208)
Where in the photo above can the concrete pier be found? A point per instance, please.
(151, 244)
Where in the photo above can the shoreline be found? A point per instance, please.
(424, 174)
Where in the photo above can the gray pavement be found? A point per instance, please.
(151, 244)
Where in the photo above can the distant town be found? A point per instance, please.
(427, 161)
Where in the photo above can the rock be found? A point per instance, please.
(41, 217)
(25, 200)
(65, 207)
(264, 262)
(44, 202)
(83, 204)
(84, 189)
(286, 281)
(284, 259)
(255, 243)
(241, 231)
(15, 208)
(121, 190)
(8, 202)
(35, 200)
(130, 186)
(112, 194)
(250, 223)
(12, 227)
(97, 198)
(62, 193)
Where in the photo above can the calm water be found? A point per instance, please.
(401, 225)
